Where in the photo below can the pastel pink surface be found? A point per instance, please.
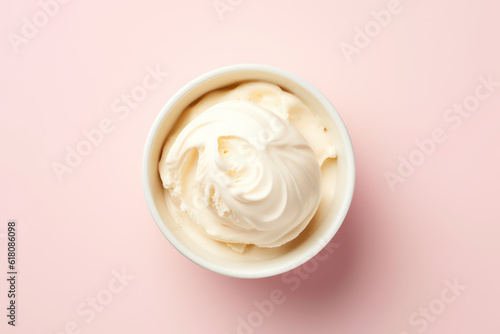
(396, 247)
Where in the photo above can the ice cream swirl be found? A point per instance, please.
(243, 175)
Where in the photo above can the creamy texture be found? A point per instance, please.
(245, 169)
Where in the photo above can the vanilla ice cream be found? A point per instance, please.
(243, 165)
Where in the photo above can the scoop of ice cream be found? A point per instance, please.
(243, 175)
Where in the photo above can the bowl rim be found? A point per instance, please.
(350, 181)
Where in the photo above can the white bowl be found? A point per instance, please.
(339, 175)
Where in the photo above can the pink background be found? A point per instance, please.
(397, 248)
